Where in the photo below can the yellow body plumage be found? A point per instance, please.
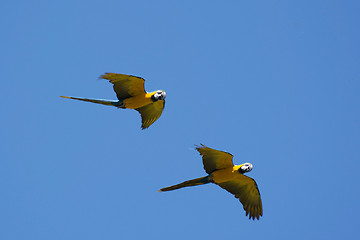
(131, 94)
(224, 173)
(138, 101)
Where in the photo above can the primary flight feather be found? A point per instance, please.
(223, 172)
(131, 94)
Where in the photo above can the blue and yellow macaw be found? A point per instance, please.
(131, 94)
(221, 170)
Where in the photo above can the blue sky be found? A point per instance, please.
(276, 83)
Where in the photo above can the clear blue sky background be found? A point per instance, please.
(276, 83)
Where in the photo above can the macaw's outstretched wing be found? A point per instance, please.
(151, 112)
(214, 159)
(125, 86)
(245, 189)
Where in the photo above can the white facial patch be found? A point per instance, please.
(246, 167)
(160, 95)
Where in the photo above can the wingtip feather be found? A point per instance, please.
(103, 76)
(199, 146)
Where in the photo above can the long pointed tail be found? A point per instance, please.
(99, 101)
(193, 182)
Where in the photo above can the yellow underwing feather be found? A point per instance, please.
(125, 86)
(245, 189)
(214, 159)
(151, 112)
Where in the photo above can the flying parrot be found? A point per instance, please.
(131, 94)
(223, 172)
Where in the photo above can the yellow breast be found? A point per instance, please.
(224, 175)
(138, 101)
